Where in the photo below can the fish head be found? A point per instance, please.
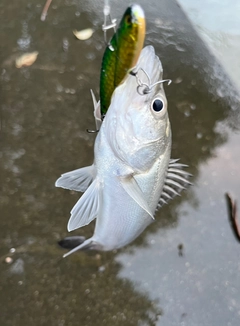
(137, 121)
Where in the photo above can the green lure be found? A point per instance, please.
(122, 53)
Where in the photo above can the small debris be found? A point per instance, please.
(84, 34)
(26, 59)
(45, 10)
(183, 315)
(17, 267)
(98, 256)
(65, 44)
(8, 260)
(232, 208)
(178, 80)
(180, 250)
(101, 269)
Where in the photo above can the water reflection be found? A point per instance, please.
(221, 34)
(203, 283)
(46, 110)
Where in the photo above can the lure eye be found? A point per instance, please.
(157, 105)
(128, 19)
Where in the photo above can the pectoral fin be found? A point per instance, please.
(130, 185)
(86, 208)
(78, 180)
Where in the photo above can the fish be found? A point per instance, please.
(122, 53)
(132, 174)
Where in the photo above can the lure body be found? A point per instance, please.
(132, 172)
(122, 53)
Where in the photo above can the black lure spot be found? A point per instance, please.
(129, 19)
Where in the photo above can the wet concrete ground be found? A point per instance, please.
(184, 269)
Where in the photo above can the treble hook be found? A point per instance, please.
(91, 131)
(147, 87)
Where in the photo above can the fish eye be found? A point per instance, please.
(157, 105)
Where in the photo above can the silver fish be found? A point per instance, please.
(132, 174)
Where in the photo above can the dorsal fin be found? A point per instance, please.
(176, 181)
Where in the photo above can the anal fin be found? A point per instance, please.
(86, 209)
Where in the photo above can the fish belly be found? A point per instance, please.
(121, 219)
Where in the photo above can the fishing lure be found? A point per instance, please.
(122, 53)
